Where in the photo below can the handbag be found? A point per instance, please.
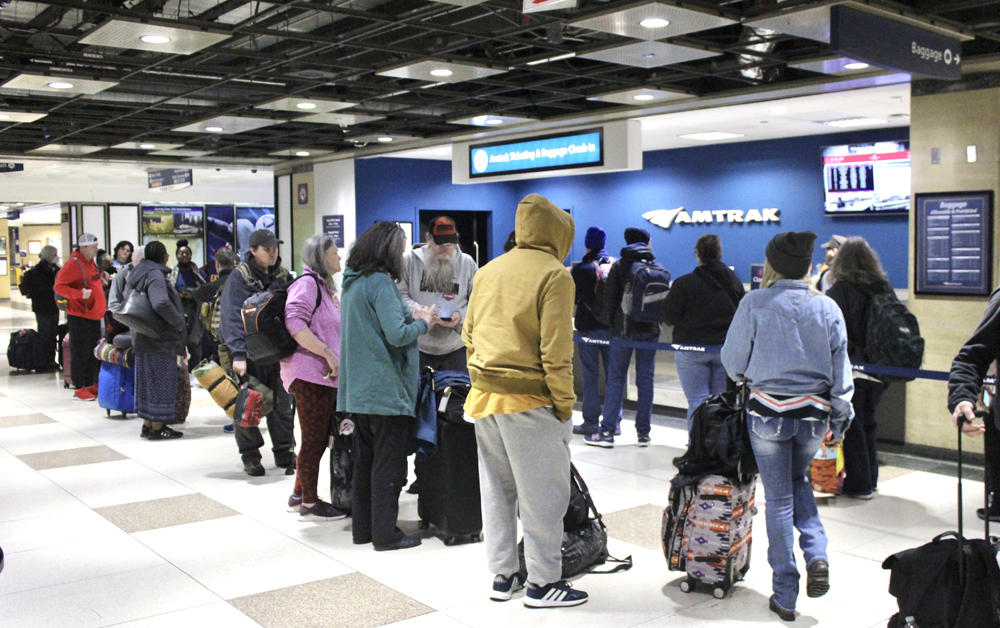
(137, 312)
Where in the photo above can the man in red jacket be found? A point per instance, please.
(79, 282)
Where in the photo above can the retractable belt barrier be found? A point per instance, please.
(868, 369)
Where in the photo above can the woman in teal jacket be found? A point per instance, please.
(380, 371)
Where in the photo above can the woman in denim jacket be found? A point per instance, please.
(790, 344)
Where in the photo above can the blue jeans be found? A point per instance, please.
(590, 356)
(702, 375)
(784, 449)
(614, 395)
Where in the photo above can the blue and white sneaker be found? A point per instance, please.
(504, 587)
(554, 595)
(600, 439)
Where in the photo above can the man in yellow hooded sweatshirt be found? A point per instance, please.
(518, 332)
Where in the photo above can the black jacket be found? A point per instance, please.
(39, 281)
(236, 291)
(617, 278)
(855, 302)
(701, 305)
(585, 278)
(151, 278)
(974, 358)
(206, 292)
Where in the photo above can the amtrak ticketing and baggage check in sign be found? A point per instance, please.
(579, 149)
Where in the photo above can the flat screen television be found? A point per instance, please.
(867, 178)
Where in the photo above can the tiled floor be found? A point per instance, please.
(101, 528)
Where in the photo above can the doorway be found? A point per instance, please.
(475, 230)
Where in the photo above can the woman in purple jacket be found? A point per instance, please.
(312, 316)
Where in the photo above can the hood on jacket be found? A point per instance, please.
(143, 268)
(636, 252)
(540, 225)
(598, 254)
(350, 276)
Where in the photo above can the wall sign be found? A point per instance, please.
(756, 276)
(334, 226)
(170, 179)
(577, 149)
(11, 167)
(667, 217)
(895, 45)
(954, 243)
(303, 196)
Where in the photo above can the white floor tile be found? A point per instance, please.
(217, 615)
(30, 439)
(111, 483)
(237, 556)
(69, 527)
(38, 503)
(430, 620)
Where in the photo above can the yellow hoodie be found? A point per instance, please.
(519, 329)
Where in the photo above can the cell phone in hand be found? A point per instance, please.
(447, 320)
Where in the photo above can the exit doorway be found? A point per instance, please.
(475, 230)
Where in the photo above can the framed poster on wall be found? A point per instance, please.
(954, 243)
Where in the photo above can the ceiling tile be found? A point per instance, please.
(292, 103)
(375, 137)
(491, 121)
(425, 71)
(340, 119)
(159, 146)
(66, 149)
(808, 23)
(76, 85)
(181, 153)
(180, 41)
(227, 125)
(19, 116)
(292, 152)
(649, 54)
(627, 21)
(833, 65)
(640, 97)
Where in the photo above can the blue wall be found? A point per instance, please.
(787, 174)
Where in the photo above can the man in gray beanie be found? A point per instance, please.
(36, 284)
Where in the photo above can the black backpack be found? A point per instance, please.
(719, 440)
(893, 336)
(267, 338)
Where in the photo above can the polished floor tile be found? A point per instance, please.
(119, 482)
(70, 457)
(19, 420)
(638, 526)
(214, 615)
(30, 439)
(64, 528)
(349, 601)
(165, 512)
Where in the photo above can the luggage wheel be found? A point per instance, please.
(423, 525)
(462, 539)
(688, 585)
(719, 592)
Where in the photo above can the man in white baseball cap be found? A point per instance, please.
(79, 281)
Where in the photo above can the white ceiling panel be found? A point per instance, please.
(305, 105)
(19, 116)
(167, 39)
(441, 72)
(340, 119)
(640, 97)
(226, 125)
(61, 84)
(628, 21)
(649, 54)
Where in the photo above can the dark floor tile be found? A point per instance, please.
(164, 513)
(21, 420)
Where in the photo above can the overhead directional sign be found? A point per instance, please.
(894, 45)
(535, 6)
(170, 179)
(578, 149)
(11, 167)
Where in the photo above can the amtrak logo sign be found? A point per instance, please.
(666, 217)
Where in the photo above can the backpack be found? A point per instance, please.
(25, 284)
(267, 338)
(602, 266)
(645, 290)
(893, 336)
(211, 314)
(719, 440)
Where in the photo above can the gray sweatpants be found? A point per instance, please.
(524, 467)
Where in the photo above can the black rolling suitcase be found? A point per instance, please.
(449, 479)
(951, 582)
(26, 351)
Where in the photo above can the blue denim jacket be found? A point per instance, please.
(787, 340)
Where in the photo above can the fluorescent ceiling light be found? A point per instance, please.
(147, 146)
(568, 55)
(155, 39)
(494, 122)
(441, 72)
(385, 139)
(306, 105)
(710, 136)
(779, 111)
(60, 85)
(654, 22)
(857, 65)
(301, 153)
(214, 129)
(853, 122)
(643, 97)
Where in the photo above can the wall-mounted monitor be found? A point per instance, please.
(867, 179)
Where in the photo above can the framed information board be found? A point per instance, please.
(954, 243)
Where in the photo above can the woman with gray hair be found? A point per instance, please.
(37, 284)
(312, 317)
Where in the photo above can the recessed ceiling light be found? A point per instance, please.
(643, 97)
(60, 85)
(853, 122)
(649, 55)
(147, 146)
(779, 111)
(214, 129)
(385, 139)
(441, 72)
(858, 65)
(4, 116)
(155, 39)
(494, 122)
(654, 22)
(711, 135)
(301, 153)
(306, 105)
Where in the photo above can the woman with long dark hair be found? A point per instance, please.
(378, 385)
(857, 275)
(789, 344)
(157, 359)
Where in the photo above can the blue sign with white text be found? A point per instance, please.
(579, 149)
